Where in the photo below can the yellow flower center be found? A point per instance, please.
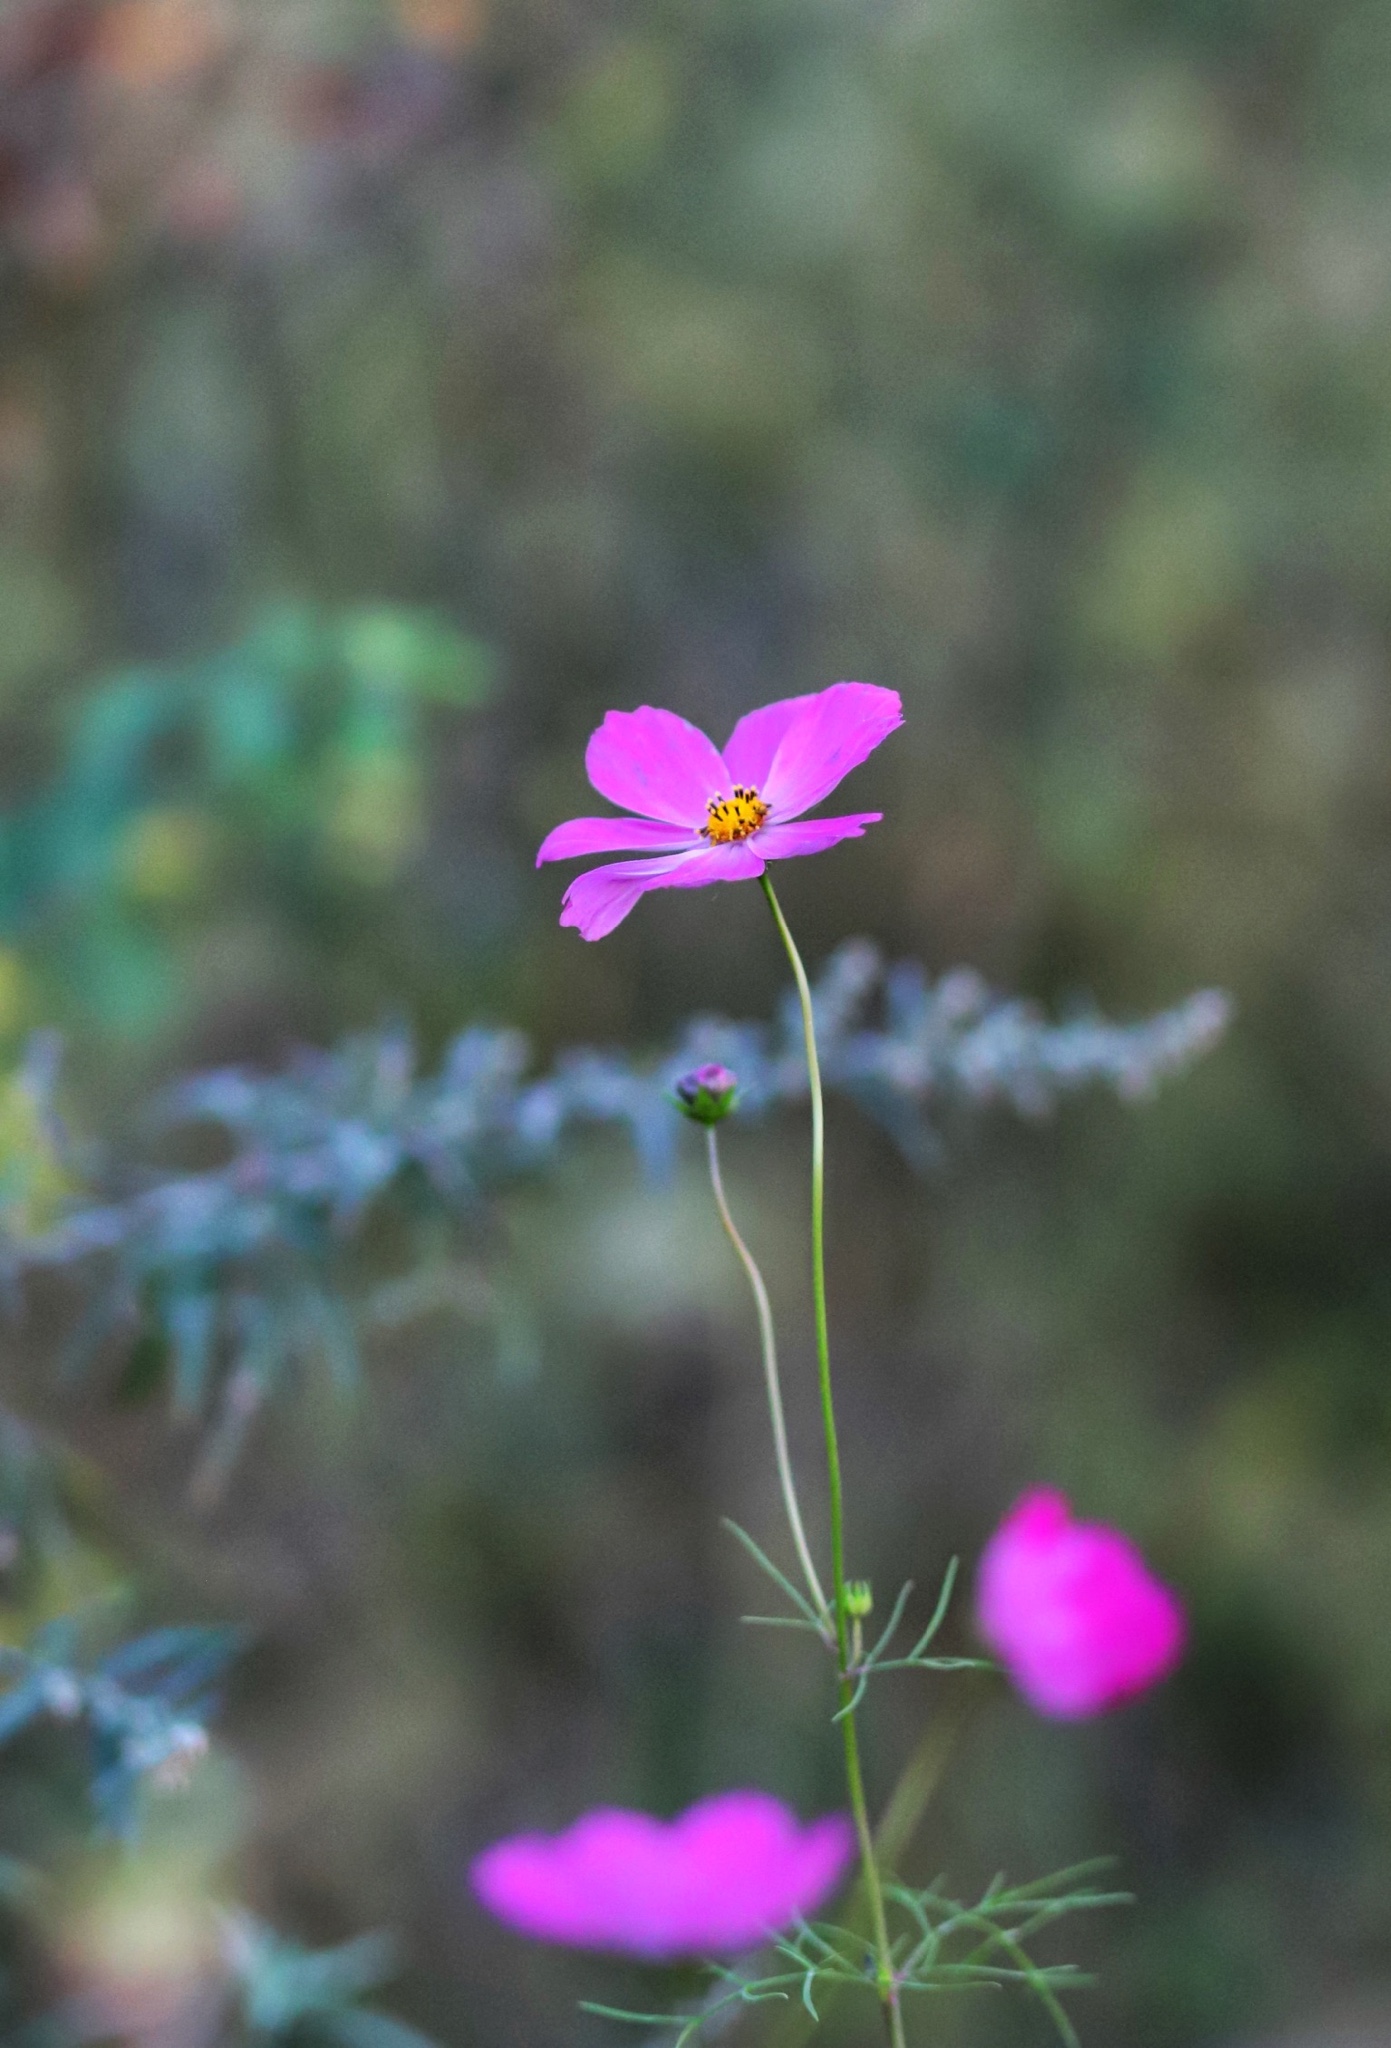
(734, 817)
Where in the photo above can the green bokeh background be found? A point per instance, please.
(385, 392)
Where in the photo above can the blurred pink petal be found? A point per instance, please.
(656, 764)
(812, 835)
(1072, 1610)
(598, 901)
(719, 1878)
(580, 836)
(749, 750)
(836, 730)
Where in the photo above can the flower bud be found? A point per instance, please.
(859, 1600)
(706, 1094)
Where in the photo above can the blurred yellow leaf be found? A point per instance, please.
(375, 818)
(163, 854)
(33, 1178)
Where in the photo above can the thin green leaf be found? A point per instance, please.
(630, 2019)
(807, 1932)
(939, 1612)
(861, 1687)
(891, 1625)
(1069, 1874)
(1027, 1969)
(779, 1579)
(953, 1664)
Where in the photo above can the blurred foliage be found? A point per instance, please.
(105, 1736)
(1026, 355)
(288, 765)
(143, 1705)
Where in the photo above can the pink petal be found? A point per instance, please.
(598, 1885)
(749, 750)
(751, 1869)
(620, 1865)
(581, 836)
(812, 835)
(719, 1878)
(736, 1849)
(1073, 1611)
(599, 900)
(523, 1883)
(836, 730)
(656, 764)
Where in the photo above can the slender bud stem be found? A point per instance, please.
(874, 1890)
(771, 1380)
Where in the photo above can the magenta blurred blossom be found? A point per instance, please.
(721, 1877)
(709, 816)
(1072, 1610)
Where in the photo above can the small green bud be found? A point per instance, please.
(859, 1600)
(706, 1094)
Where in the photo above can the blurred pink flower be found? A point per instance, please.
(721, 1877)
(709, 816)
(1072, 1610)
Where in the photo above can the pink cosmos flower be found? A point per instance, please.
(708, 816)
(721, 1877)
(1072, 1610)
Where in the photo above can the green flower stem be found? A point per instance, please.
(774, 1386)
(908, 1802)
(874, 1891)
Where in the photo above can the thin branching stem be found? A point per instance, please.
(768, 1341)
(885, 1978)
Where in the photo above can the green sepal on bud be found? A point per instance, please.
(707, 1094)
(859, 1599)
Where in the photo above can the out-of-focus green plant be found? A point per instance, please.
(290, 1993)
(288, 768)
(121, 1826)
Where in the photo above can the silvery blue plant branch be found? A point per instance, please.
(143, 1706)
(237, 1269)
(285, 1992)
